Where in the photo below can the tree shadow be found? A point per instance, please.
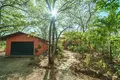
(46, 74)
(50, 73)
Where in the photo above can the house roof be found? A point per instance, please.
(16, 33)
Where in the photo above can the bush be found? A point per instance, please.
(35, 60)
(97, 64)
(117, 70)
(71, 48)
(2, 45)
(59, 49)
(79, 48)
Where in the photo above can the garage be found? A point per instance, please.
(23, 44)
(22, 48)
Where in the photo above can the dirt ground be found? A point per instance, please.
(19, 69)
(2, 53)
(64, 71)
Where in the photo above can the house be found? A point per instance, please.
(22, 44)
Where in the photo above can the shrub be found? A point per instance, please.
(79, 48)
(97, 64)
(2, 45)
(35, 60)
(71, 48)
(59, 49)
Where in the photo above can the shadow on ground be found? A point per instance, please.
(11, 67)
(50, 74)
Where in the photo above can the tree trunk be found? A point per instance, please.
(53, 42)
(49, 50)
(109, 48)
(0, 16)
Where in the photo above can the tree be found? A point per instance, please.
(82, 12)
(10, 20)
(110, 23)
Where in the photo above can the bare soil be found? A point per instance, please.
(19, 69)
(66, 73)
(2, 53)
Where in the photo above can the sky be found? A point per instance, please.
(105, 14)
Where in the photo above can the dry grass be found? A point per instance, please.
(14, 66)
(21, 68)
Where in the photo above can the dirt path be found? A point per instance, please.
(69, 60)
(65, 73)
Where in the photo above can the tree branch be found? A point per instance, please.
(48, 4)
(65, 4)
(89, 10)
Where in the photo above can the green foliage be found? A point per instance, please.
(115, 45)
(97, 64)
(80, 48)
(35, 61)
(97, 33)
(73, 35)
(59, 49)
(77, 41)
(118, 70)
(110, 25)
(107, 5)
(12, 16)
(86, 41)
(2, 45)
